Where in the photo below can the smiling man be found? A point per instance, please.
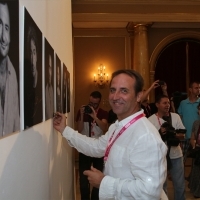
(134, 154)
(9, 101)
(175, 162)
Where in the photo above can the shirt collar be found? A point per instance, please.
(197, 101)
(126, 120)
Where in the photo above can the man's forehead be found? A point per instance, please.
(4, 13)
(164, 99)
(92, 99)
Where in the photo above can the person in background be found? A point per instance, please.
(150, 109)
(134, 167)
(92, 122)
(9, 100)
(189, 113)
(175, 161)
(194, 181)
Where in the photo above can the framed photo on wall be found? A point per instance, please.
(49, 81)
(32, 72)
(64, 93)
(9, 58)
(68, 91)
(58, 85)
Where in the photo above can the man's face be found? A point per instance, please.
(195, 89)
(163, 106)
(50, 70)
(94, 102)
(4, 30)
(33, 54)
(122, 97)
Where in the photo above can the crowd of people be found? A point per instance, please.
(131, 151)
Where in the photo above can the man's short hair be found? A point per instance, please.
(192, 82)
(159, 97)
(133, 74)
(96, 95)
(32, 36)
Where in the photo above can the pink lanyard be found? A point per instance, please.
(93, 123)
(110, 144)
(158, 119)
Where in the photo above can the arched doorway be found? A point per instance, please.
(176, 60)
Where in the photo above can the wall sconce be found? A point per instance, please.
(101, 79)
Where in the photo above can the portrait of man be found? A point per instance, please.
(68, 91)
(32, 72)
(58, 85)
(49, 75)
(9, 68)
(64, 89)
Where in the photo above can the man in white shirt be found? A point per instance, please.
(134, 154)
(176, 167)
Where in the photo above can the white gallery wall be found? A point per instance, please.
(38, 164)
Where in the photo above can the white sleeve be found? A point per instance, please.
(86, 145)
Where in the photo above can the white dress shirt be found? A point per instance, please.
(136, 165)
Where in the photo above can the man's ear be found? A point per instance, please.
(156, 105)
(139, 96)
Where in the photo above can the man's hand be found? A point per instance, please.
(93, 114)
(59, 122)
(162, 130)
(94, 176)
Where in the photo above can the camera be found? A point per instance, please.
(170, 135)
(87, 109)
(161, 83)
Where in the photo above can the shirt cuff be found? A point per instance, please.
(107, 188)
(67, 133)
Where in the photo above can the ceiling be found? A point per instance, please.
(116, 14)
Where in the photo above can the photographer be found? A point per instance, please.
(92, 122)
(150, 108)
(170, 125)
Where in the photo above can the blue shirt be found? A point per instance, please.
(189, 113)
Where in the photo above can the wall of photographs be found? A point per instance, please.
(33, 155)
(46, 79)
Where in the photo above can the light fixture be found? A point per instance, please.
(101, 79)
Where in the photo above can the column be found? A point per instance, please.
(140, 54)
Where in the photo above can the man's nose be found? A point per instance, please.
(116, 95)
(2, 34)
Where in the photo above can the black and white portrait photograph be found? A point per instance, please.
(64, 95)
(49, 81)
(32, 72)
(58, 85)
(68, 91)
(9, 67)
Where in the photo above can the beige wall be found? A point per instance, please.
(38, 163)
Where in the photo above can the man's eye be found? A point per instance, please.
(124, 91)
(112, 90)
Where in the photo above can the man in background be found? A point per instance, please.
(9, 100)
(92, 122)
(175, 155)
(189, 112)
(49, 92)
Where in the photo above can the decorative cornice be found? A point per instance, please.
(134, 17)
